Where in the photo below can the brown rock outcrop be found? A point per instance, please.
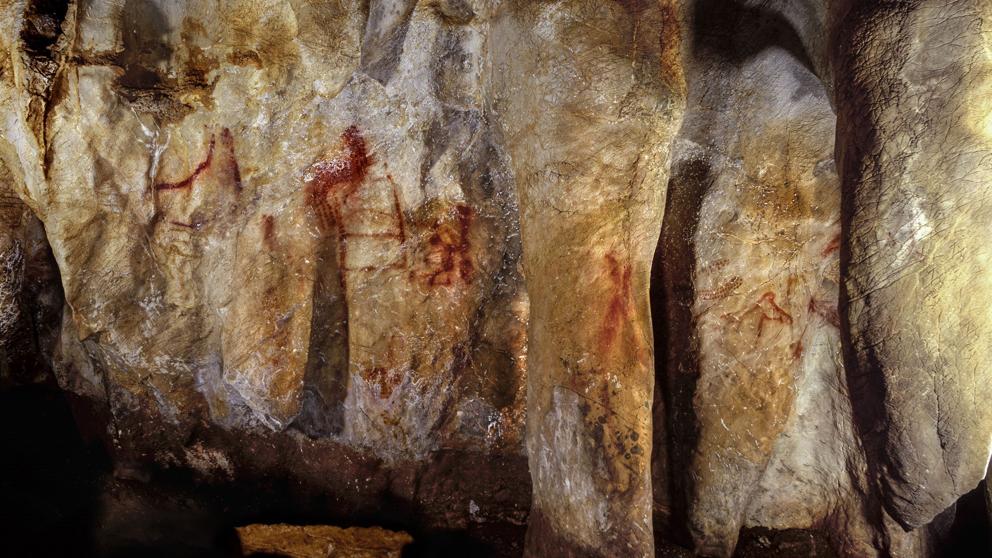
(322, 541)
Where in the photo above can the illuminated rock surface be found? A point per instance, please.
(277, 238)
(913, 130)
(592, 199)
(755, 169)
(688, 267)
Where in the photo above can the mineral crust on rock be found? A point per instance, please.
(293, 221)
(775, 429)
(254, 226)
(755, 214)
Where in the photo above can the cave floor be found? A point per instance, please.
(60, 497)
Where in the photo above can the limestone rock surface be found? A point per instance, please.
(688, 266)
(591, 164)
(761, 396)
(770, 395)
(253, 225)
(30, 298)
(281, 228)
(913, 135)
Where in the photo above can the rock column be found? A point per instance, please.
(914, 140)
(590, 95)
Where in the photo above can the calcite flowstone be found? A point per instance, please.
(775, 430)
(269, 226)
(279, 227)
(913, 133)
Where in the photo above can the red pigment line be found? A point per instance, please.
(825, 311)
(350, 170)
(619, 305)
(228, 140)
(398, 209)
(347, 171)
(781, 316)
(188, 181)
(832, 247)
(268, 231)
(340, 176)
(185, 225)
(455, 262)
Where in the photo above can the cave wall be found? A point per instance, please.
(284, 231)
(623, 270)
(774, 441)
(30, 297)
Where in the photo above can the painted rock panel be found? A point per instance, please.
(761, 428)
(289, 240)
(286, 219)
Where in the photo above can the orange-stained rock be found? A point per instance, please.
(764, 360)
(322, 541)
(293, 237)
(279, 224)
(323, 260)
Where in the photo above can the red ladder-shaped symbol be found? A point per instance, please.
(372, 230)
(364, 213)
